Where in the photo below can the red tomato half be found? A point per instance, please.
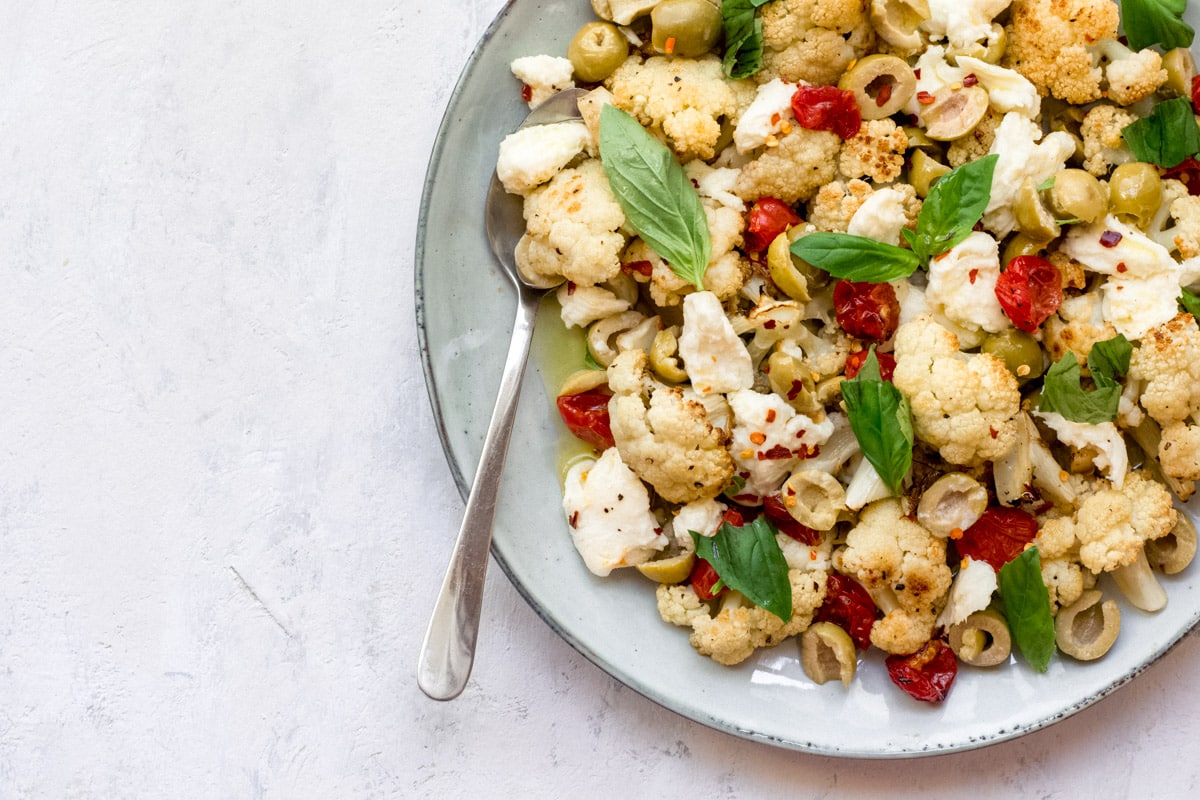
(855, 361)
(776, 512)
(1029, 291)
(1196, 93)
(848, 606)
(703, 579)
(827, 108)
(586, 416)
(1186, 172)
(767, 219)
(927, 674)
(999, 536)
(866, 310)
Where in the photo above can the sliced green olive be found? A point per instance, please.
(1086, 629)
(881, 84)
(674, 569)
(954, 111)
(923, 172)
(827, 653)
(955, 501)
(596, 51)
(896, 22)
(1135, 192)
(1171, 553)
(1019, 351)
(814, 278)
(1076, 195)
(584, 380)
(782, 265)
(1181, 68)
(919, 141)
(1033, 218)
(687, 28)
(662, 357)
(1020, 245)
(814, 497)
(982, 639)
(792, 379)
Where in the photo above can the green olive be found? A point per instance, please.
(1020, 245)
(919, 141)
(881, 84)
(686, 28)
(663, 357)
(673, 569)
(1135, 192)
(954, 111)
(923, 171)
(827, 653)
(793, 380)
(992, 52)
(596, 51)
(813, 278)
(784, 273)
(1033, 218)
(1076, 194)
(1019, 351)
(1181, 68)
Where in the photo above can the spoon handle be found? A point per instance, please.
(449, 647)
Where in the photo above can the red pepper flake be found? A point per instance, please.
(770, 415)
(917, 73)
(669, 45)
(776, 453)
(925, 98)
(526, 92)
(972, 275)
(797, 387)
(885, 94)
(775, 118)
(1121, 267)
(640, 267)
(570, 288)
(769, 324)
(758, 437)
(573, 521)
(993, 433)
(970, 80)
(1110, 239)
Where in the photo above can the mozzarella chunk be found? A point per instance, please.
(769, 439)
(971, 592)
(544, 75)
(702, 516)
(608, 511)
(962, 284)
(962, 22)
(881, 217)
(764, 118)
(531, 156)
(1023, 154)
(714, 357)
(1008, 90)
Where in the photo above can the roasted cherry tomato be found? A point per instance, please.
(767, 219)
(848, 606)
(866, 310)
(827, 108)
(1186, 172)
(586, 416)
(999, 536)
(703, 578)
(776, 512)
(855, 361)
(737, 516)
(1196, 93)
(1029, 291)
(927, 674)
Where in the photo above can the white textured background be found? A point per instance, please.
(223, 508)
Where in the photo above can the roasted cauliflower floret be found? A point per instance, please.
(572, 228)
(964, 405)
(1176, 226)
(904, 568)
(1168, 360)
(794, 169)
(813, 40)
(876, 151)
(727, 269)
(739, 627)
(1049, 41)
(1130, 75)
(1103, 144)
(683, 100)
(836, 203)
(1077, 326)
(668, 442)
(976, 144)
(1112, 525)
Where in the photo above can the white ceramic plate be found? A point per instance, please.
(464, 311)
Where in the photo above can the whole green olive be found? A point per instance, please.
(596, 51)
(1019, 351)
(923, 171)
(1076, 194)
(1034, 220)
(686, 28)
(1135, 192)
(1020, 245)
(881, 84)
(1181, 68)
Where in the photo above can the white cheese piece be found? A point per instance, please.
(1008, 90)
(1113, 458)
(971, 592)
(714, 357)
(702, 516)
(962, 284)
(763, 119)
(716, 184)
(769, 439)
(532, 156)
(962, 22)
(881, 217)
(1023, 154)
(544, 75)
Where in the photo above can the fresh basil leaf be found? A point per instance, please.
(955, 203)
(1190, 302)
(882, 422)
(736, 484)
(1109, 359)
(1151, 22)
(1063, 394)
(1027, 608)
(1166, 137)
(748, 559)
(654, 192)
(855, 258)
(743, 38)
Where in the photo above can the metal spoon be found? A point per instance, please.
(448, 651)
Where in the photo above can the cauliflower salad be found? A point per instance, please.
(891, 319)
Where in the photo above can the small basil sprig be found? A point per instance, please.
(743, 38)
(1151, 22)
(1062, 392)
(882, 422)
(654, 192)
(748, 559)
(1190, 302)
(1166, 137)
(954, 205)
(1027, 608)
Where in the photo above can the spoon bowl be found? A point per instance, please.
(448, 652)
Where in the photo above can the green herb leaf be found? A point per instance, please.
(1150, 22)
(1190, 302)
(855, 258)
(743, 38)
(1167, 136)
(1062, 392)
(882, 422)
(955, 203)
(736, 484)
(1027, 608)
(748, 559)
(654, 192)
